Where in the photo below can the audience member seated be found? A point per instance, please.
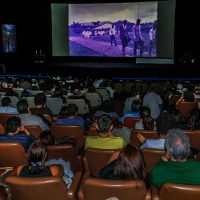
(127, 164)
(175, 167)
(40, 108)
(27, 118)
(146, 122)
(6, 106)
(105, 140)
(48, 139)
(36, 155)
(106, 108)
(71, 117)
(164, 123)
(25, 94)
(188, 96)
(129, 100)
(194, 120)
(153, 101)
(57, 93)
(15, 132)
(136, 105)
(123, 132)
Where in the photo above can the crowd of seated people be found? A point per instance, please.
(127, 163)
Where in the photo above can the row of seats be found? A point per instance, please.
(85, 186)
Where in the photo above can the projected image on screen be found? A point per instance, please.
(9, 37)
(113, 30)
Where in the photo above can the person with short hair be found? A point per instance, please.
(71, 117)
(175, 167)
(6, 106)
(164, 123)
(40, 107)
(16, 132)
(27, 118)
(105, 139)
(135, 108)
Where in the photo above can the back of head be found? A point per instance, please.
(131, 165)
(165, 122)
(72, 110)
(138, 21)
(145, 112)
(136, 105)
(36, 155)
(6, 101)
(177, 144)
(47, 138)
(22, 106)
(40, 99)
(104, 123)
(12, 124)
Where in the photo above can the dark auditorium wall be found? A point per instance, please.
(33, 22)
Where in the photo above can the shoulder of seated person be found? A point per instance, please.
(57, 170)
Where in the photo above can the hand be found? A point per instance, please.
(141, 138)
(25, 130)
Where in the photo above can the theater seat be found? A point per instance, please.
(40, 188)
(131, 121)
(95, 159)
(12, 154)
(101, 189)
(151, 157)
(186, 107)
(173, 191)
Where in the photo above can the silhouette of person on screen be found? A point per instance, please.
(138, 38)
(152, 38)
(112, 34)
(124, 36)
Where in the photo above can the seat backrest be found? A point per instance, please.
(104, 93)
(40, 188)
(81, 104)
(4, 117)
(186, 107)
(151, 157)
(95, 159)
(94, 99)
(31, 102)
(172, 191)
(54, 104)
(151, 134)
(12, 154)
(60, 131)
(67, 152)
(35, 130)
(101, 189)
(131, 121)
(194, 136)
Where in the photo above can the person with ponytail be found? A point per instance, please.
(37, 154)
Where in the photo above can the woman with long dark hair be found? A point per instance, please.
(127, 164)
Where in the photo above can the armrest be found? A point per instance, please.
(73, 190)
(155, 193)
(148, 196)
(80, 193)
